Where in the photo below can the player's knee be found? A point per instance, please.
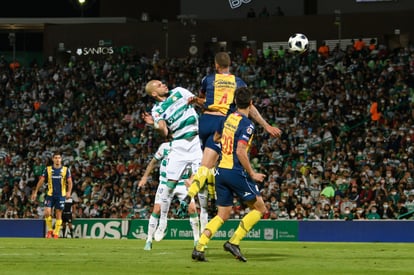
(192, 208)
(261, 208)
(156, 209)
(207, 232)
(224, 214)
(258, 204)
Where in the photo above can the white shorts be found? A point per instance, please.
(183, 153)
(165, 194)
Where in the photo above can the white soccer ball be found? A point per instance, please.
(298, 43)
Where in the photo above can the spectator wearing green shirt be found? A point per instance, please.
(409, 204)
(329, 191)
(373, 215)
(343, 186)
(268, 52)
(281, 52)
(347, 214)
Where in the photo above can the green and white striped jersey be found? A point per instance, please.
(161, 155)
(181, 118)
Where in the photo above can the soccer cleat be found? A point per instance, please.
(235, 250)
(49, 234)
(148, 246)
(198, 256)
(55, 236)
(159, 234)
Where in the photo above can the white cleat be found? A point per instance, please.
(148, 246)
(159, 234)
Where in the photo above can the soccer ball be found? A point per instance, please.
(298, 43)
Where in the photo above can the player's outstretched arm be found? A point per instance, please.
(161, 126)
(147, 172)
(147, 118)
(241, 152)
(256, 116)
(197, 100)
(39, 184)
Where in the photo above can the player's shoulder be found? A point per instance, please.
(209, 77)
(164, 146)
(180, 90)
(240, 82)
(156, 107)
(246, 122)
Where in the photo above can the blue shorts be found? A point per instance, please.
(208, 125)
(57, 202)
(229, 181)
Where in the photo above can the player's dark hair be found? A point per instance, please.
(57, 153)
(222, 59)
(243, 97)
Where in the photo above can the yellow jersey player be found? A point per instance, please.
(217, 100)
(235, 175)
(59, 188)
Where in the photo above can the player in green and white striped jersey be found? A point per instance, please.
(164, 195)
(172, 115)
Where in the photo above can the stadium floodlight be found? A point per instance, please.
(82, 4)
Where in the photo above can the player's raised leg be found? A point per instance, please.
(166, 197)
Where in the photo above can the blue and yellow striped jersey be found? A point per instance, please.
(219, 91)
(56, 180)
(237, 128)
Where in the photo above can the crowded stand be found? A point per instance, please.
(346, 151)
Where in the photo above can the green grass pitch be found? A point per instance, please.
(97, 256)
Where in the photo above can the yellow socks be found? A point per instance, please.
(212, 226)
(49, 225)
(58, 225)
(210, 183)
(199, 181)
(245, 225)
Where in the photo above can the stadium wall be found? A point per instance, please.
(265, 230)
(174, 38)
(22, 228)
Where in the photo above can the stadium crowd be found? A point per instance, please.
(346, 151)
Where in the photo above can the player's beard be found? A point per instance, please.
(164, 96)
